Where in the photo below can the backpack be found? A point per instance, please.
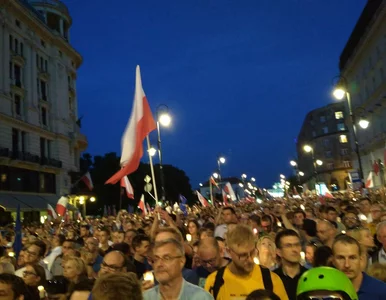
(219, 281)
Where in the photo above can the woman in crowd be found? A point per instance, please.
(34, 276)
(267, 252)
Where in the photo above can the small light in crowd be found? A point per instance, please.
(256, 260)
(42, 219)
(52, 223)
(92, 199)
(189, 237)
(254, 230)
(11, 254)
(282, 176)
(302, 255)
(45, 217)
(302, 207)
(45, 261)
(241, 185)
(42, 293)
(148, 276)
(301, 173)
(363, 217)
(279, 224)
(343, 231)
(78, 221)
(259, 201)
(186, 224)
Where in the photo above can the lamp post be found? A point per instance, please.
(339, 93)
(315, 162)
(164, 119)
(220, 160)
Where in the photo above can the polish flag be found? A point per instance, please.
(376, 167)
(213, 181)
(61, 206)
(328, 194)
(86, 178)
(142, 205)
(225, 198)
(51, 212)
(140, 124)
(228, 188)
(125, 183)
(369, 181)
(203, 201)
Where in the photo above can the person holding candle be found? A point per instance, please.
(34, 276)
(193, 228)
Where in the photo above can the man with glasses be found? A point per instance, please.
(288, 248)
(34, 255)
(210, 259)
(242, 275)
(348, 258)
(168, 262)
(113, 262)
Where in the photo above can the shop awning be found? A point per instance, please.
(27, 202)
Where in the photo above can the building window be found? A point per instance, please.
(343, 139)
(344, 151)
(330, 166)
(322, 119)
(43, 90)
(347, 164)
(43, 43)
(10, 42)
(42, 147)
(341, 127)
(17, 75)
(17, 105)
(21, 49)
(44, 116)
(325, 130)
(10, 70)
(326, 142)
(16, 46)
(15, 140)
(339, 115)
(46, 65)
(49, 150)
(328, 154)
(17, 23)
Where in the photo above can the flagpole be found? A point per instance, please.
(152, 170)
(211, 190)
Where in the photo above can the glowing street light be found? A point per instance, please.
(307, 148)
(363, 123)
(301, 173)
(293, 163)
(339, 93)
(215, 175)
(253, 179)
(244, 176)
(282, 176)
(165, 119)
(222, 160)
(319, 162)
(241, 185)
(92, 199)
(200, 184)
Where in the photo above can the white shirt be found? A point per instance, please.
(220, 230)
(19, 272)
(49, 259)
(382, 256)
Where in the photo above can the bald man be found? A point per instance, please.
(326, 232)
(211, 259)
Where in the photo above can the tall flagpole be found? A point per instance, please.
(152, 170)
(211, 190)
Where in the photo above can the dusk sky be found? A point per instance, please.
(238, 76)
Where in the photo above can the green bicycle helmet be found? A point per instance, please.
(326, 279)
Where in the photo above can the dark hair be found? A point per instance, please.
(195, 223)
(42, 246)
(138, 239)
(85, 226)
(39, 270)
(229, 208)
(348, 240)
(262, 295)
(61, 239)
(105, 229)
(352, 209)
(123, 247)
(17, 284)
(255, 218)
(209, 226)
(330, 208)
(284, 233)
(300, 211)
(266, 218)
(321, 256)
(364, 199)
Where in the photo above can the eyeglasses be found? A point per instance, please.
(26, 273)
(112, 268)
(165, 259)
(245, 256)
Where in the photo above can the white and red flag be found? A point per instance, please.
(125, 183)
(140, 124)
(225, 198)
(142, 205)
(369, 181)
(86, 178)
(228, 189)
(51, 212)
(213, 181)
(61, 206)
(202, 199)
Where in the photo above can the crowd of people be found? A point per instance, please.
(279, 249)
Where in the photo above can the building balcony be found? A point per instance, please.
(18, 58)
(44, 75)
(50, 162)
(30, 158)
(17, 86)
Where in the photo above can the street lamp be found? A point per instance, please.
(307, 148)
(293, 163)
(301, 173)
(253, 179)
(215, 175)
(164, 119)
(92, 199)
(319, 162)
(152, 151)
(363, 123)
(339, 93)
(222, 160)
(282, 176)
(244, 176)
(200, 184)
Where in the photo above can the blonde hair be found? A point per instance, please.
(240, 235)
(117, 286)
(378, 271)
(79, 263)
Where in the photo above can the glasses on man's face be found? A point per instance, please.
(165, 259)
(245, 256)
(111, 268)
(26, 273)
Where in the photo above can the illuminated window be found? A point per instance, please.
(343, 139)
(338, 115)
(341, 127)
(3, 177)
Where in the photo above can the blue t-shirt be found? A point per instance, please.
(372, 289)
